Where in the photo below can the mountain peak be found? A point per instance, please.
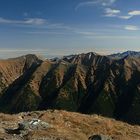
(125, 54)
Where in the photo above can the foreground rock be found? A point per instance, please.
(99, 137)
(62, 125)
(29, 125)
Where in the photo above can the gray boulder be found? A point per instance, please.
(33, 124)
(28, 125)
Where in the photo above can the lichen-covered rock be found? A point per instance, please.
(33, 124)
(29, 125)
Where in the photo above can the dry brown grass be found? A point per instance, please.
(73, 126)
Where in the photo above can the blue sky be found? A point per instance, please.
(61, 27)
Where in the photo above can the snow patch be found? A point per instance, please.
(89, 56)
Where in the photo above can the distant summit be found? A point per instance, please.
(90, 55)
(125, 54)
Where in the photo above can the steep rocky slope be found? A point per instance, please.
(12, 69)
(87, 83)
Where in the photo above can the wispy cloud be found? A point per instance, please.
(45, 33)
(85, 33)
(134, 13)
(116, 13)
(44, 23)
(107, 2)
(131, 14)
(111, 12)
(131, 28)
(124, 17)
(38, 26)
(95, 2)
(88, 3)
(27, 21)
(113, 37)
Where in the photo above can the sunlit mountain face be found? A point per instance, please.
(58, 28)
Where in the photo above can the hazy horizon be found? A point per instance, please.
(5, 54)
(57, 28)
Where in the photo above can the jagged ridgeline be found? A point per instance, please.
(87, 83)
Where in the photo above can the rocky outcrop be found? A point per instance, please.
(27, 126)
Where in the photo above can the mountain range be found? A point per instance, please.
(88, 83)
(125, 54)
